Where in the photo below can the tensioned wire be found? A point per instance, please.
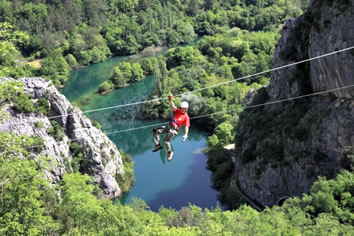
(223, 112)
(207, 87)
(241, 108)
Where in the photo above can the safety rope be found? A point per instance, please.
(207, 87)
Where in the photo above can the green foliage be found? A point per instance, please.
(85, 32)
(347, 161)
(71, 60)
(137, 72)
(24, 104)
(55, 67)
(119, 79)
(7, 53)
(224, 132)
(42, 106)
(25, 192)
(331, 197)
(123, 74)
(146, 65)
(96, 124)
(12, 91)
(76, 151)
(29, 206)
(105, 87)
(39, 125)
(57, 131)
(22, 202)
(11, 145)
(125, 181)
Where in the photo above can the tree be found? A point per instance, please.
(105, 87)
(7, 54)
(55, 68)
(22, 199)
(137, 72)
(224, 132)
(118, 78)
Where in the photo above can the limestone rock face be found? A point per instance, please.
(281, 149)
(100, 157)
(326, 27)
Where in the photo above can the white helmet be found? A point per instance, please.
(184, 104)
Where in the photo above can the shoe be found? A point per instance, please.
(157, 147)
(169, 156)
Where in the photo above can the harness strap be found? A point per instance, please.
(174, 123)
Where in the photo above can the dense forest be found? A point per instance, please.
(48, 38)
(28, 206)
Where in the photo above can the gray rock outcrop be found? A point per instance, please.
(281, 149)
(326, 27)
(99, 156)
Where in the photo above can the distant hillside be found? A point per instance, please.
(68, 34)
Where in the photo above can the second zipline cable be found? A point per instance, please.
(207, 87)
(223, 112)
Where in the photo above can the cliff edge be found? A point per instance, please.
(281, 149)
(70, 141)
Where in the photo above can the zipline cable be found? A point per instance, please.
(222, 112)
(211, 86)
(241, 108)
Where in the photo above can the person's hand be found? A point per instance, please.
(184, 137)
(170, 97)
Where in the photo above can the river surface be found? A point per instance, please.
(158, 182)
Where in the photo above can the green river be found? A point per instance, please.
(158, 182)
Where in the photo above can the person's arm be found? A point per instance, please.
(186, 130)
(171, 103)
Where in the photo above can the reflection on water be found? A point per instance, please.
(159, 182)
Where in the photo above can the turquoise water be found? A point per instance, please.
(158, 182)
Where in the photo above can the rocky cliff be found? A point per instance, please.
(70, 140)
(281, 149)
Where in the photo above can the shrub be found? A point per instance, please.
(125, 181)
(42, 106)
(24, 104)
(39, 124)
(105, 87)
(71, 60)
(96, 124)
(347, 161)
(56, 131)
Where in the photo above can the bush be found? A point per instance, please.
(39, 125)
(96, 124)
(56, 131)
(347, 161)
(42, 106)
(125, 181)
(105, 87)
(71, 60)
(24, 104)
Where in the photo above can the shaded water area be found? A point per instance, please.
(158, 182)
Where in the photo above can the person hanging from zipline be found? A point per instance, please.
(179, 117)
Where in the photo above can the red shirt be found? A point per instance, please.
(181, 118)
